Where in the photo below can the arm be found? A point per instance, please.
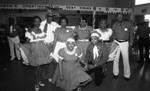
(75, 34)
(131, 33)
(41, 35)
(60, 60)
(113, 31)
(111, 35)
(55, 41)
(19, 30)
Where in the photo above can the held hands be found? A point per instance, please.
(85, 68)
(61, 77)
(91, 66)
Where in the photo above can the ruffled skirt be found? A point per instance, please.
(73, 76)
(35, 53)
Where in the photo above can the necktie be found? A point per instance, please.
(95, 52)
(45, 28)
(11, 29)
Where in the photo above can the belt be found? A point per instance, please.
(106, 41)
(122, 41)
(83, 40)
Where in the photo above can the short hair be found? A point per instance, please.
(83, 18)
(11, 19)
(61, 18)
(103, 20)
(37, 17)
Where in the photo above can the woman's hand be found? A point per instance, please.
(85, 68)
(61, 77)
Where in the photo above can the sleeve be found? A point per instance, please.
(110, 32)
(61, 54)
(113, 30)
(56, 31)
(88, 56)
(56, 26)
(19, 30)
(131, 31)
(28, 35)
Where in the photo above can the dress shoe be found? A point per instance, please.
(126, 79)
(12, 58)
(115, 76)
(41, 84)
(37, 87)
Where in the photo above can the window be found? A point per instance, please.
(147, 18)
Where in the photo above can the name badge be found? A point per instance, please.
(125, 29)
(67, 30)
(76, 54)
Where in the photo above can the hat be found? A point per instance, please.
(70, 40)
(95, 34)
(49, 14)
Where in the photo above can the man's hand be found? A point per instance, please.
(61, 77)
(91, 66)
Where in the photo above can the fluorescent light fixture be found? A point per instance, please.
(139, 2)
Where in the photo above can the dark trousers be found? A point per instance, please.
(143, 43)
(49, 69)
(38, 73)
(98, 73)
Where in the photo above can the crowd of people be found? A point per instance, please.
(67, 56)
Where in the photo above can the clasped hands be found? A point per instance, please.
(88, 67)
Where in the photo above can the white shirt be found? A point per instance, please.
(50, 30)
(105, 35)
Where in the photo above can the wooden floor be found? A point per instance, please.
(14, 76)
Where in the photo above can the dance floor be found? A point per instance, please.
(14, 76)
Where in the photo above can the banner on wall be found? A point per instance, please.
(68, 8)
(114, 10)
(23, 6)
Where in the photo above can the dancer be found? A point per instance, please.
(123, 35)
(70, 75)
(61, 35)
(49, 26)
(96, 56)
(36, 53)
(83, 32)
(106, 37)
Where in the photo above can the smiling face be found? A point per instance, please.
(63, 22)
(37, 22)
(94, 39)
(70, 45)
(103, 24)
(83, 23)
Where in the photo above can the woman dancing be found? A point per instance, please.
(70, 75)
(36, 53)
